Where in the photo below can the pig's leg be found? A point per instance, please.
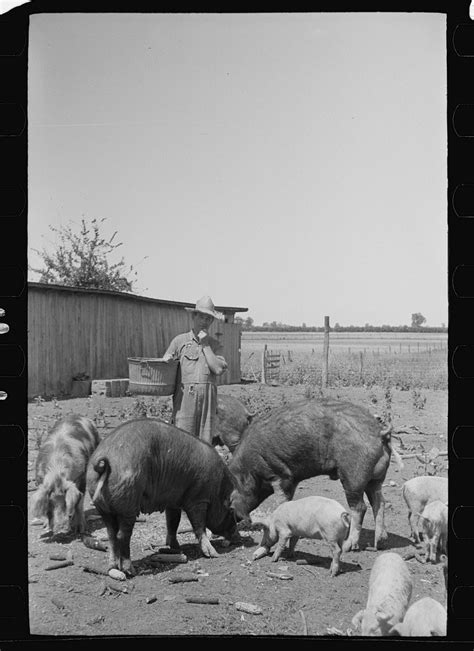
(265, 544)
(281, 544)
(442, 544)
(197, 517)
(377, 502)
(432, 549)
(291, 546)
(173, 517)
(81, 517)
(336, 555)
(126, 524)
(111, 523)
(284, 488)
(358, 508)
(413, 520)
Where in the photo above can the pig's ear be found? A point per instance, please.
(73, 495)
(382, 616)
(40, 502)
(263, 522)
(397, 629)
(357, 619)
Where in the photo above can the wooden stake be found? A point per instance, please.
(264, 359)
(184, 578)
(93, 570)
(202, 600)
(324, 378)
(168, 558)
(56, 566)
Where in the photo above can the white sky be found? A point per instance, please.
(294, 164)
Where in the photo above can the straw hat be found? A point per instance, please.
(206, 306)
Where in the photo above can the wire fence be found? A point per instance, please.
(400, 366)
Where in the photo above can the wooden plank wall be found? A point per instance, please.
(77, 332)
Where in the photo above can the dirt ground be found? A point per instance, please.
(70, 601)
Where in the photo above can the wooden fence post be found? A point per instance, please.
(361, 364)
(264, 355)
(324, 379)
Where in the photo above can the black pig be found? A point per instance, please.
(233, 418)
(148, 465)
(309, 438)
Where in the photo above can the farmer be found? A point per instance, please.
(195, 396)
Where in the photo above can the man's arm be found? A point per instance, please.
(216, 363)
(171, 352)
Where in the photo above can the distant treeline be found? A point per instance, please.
(283, 327)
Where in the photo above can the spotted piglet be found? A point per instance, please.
(314, 517)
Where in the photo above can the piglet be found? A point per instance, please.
(434, 523)
(425, 618)
(420, 491)
(390, 588)
(314, 517)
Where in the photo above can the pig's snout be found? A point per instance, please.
(61, 527)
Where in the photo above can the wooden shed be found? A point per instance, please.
(91, 331)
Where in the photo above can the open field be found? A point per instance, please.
(407, 361)
(305, 341)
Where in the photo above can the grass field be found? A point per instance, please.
(400, 360)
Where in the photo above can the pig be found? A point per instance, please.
(147, 465)
(434, 523)
(310, 438)
(233, 418)
(314, 517)
(61, 468)
(417, 493)
(425, 618)
(390, 588)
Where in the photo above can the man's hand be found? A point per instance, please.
(203, 337)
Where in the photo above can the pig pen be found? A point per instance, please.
(229, 595)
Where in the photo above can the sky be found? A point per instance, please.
(291, 164)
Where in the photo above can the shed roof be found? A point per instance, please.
(126, 295)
